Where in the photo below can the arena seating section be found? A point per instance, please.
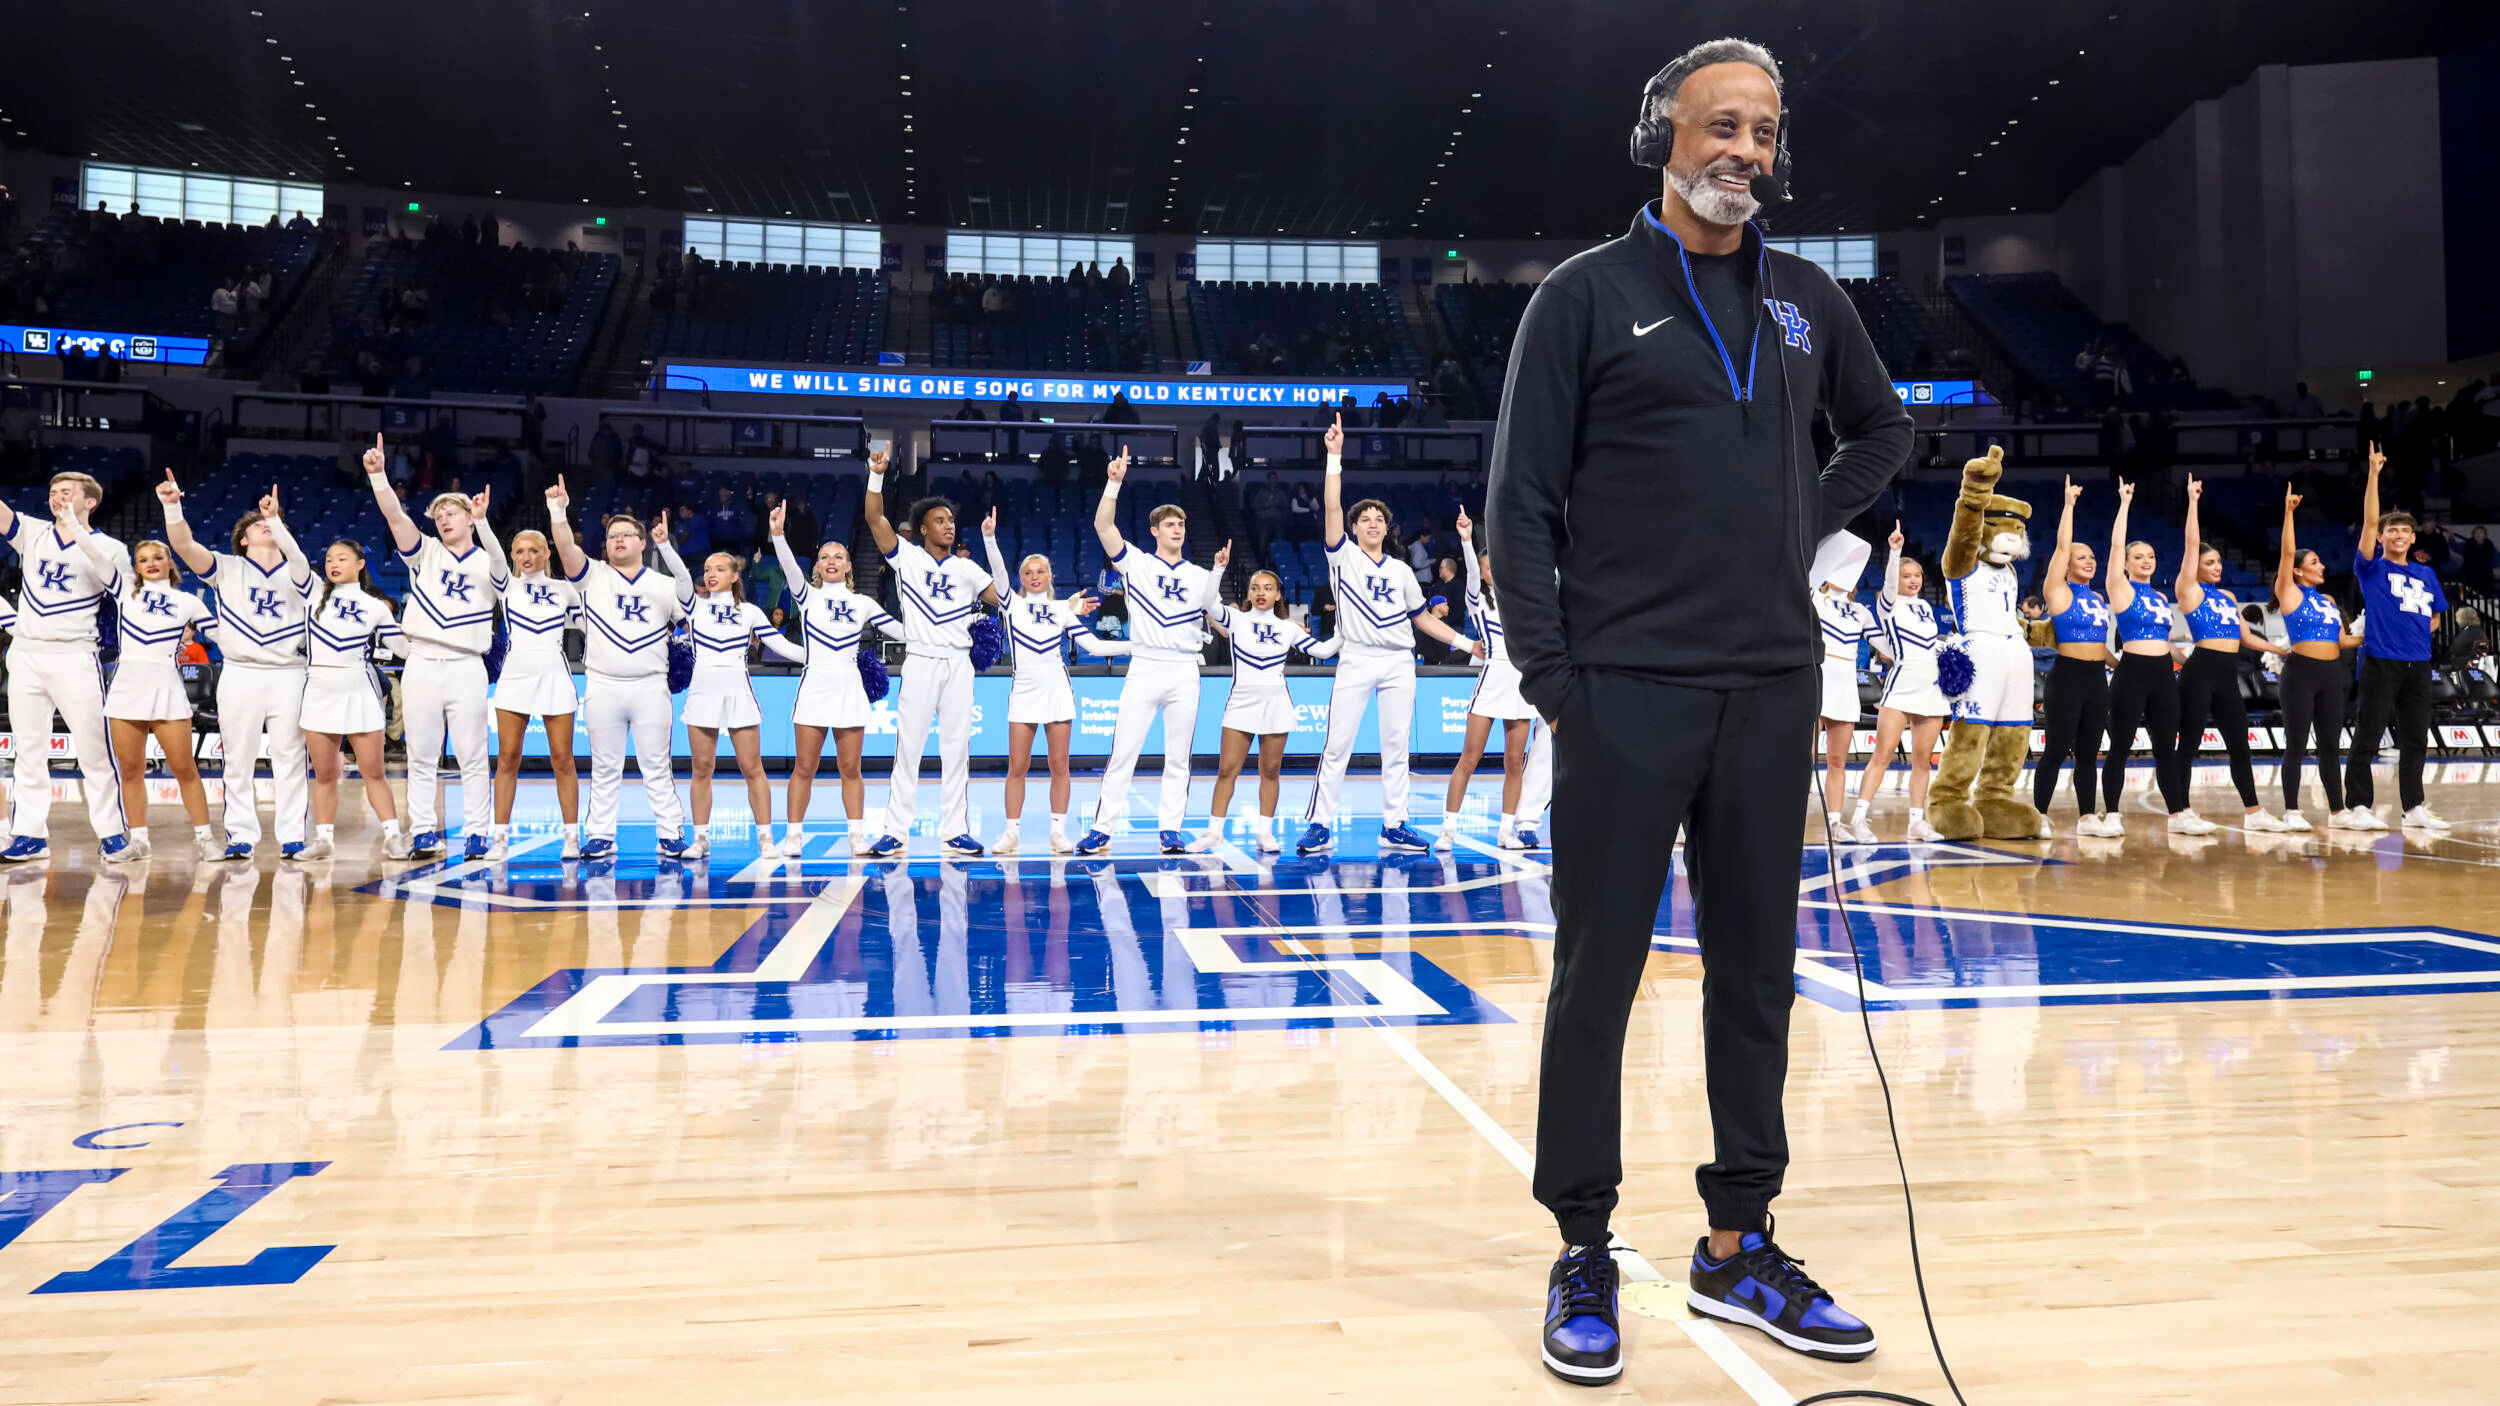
(1276, 328)
(775, 313)
(2039, 324)
(1044, 327)
(1897, 322)
(486, 327)
(149, 275)
(1478, 322)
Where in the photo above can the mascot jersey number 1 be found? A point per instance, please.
(1991, 733)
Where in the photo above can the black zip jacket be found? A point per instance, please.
(1638, 515)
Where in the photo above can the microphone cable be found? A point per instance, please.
(1831, 856)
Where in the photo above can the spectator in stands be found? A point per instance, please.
(299, 225)
(2306, 405)
(766, 586)
(607, 454)
(641, 456)
(412, 383)
(731, 522)
(1211, 441)
(693, 531)
(969, 410)
(1076, 273)
(803, 522)
(1093, 275)
(2474, 559)
(222, 307)
(1267, 509)
(1419, 551)
(1120, 411)
(994, 302)
(1011, 411)
(1118, 279)
(1304, 507)
(1054, 468)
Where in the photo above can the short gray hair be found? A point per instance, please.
(1670, 80)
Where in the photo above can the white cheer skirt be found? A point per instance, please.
(147, 691)
(832, 697)
(1497, 694)
(1261, 712)
(1913, 689)
(536, 685)
(1840, 691)
(339, 699)
(1041, 698)
(722, 698)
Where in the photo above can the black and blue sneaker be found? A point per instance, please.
(1403, 836)
(1173, 841)
(1761, 1287)
(964, 847)
(1313, 840)
(1093, 842)
(118, 849)
(238, 850)
(886, 847)
(24, 848)
(426, 844)
(673, 846)
(475, 848)
(599, 847)
(1583, 1341)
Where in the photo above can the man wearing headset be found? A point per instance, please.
(1655, 502)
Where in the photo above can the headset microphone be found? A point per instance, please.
(1769, 191)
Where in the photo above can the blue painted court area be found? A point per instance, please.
(1037, 945)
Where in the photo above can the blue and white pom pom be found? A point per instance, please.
(1954, 670)
(873, 678)
(989, 641)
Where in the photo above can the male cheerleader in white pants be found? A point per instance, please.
(1379, 609)
(262, 590)
(630, 609)
(940, 594)
(53, 667)
(1168, 600)
(454, 580)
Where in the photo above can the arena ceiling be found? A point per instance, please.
(1309, 118)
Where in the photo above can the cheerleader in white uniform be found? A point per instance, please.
(1260, 707)
(833, 621)
(941, 595)
(147, 697)
(1838, 564)
(726, 626)
(1914, 701)
(1040, 628)
(630, 610)
(537, 682)
(343, 696)
(1496, 699)
(454, 579)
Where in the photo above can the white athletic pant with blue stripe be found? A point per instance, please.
(1166, 688)
(939, 686)
(1536, 785)
(443, 691)
(61, 678)
(1362, 675)
(636, 714)
(251, 697)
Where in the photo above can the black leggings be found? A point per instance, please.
(2209, 692)
(2397, 690)
(2078, 715)
(2313, 696)
(2143, 691)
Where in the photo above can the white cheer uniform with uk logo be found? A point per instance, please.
(1909, 635)
(625, 701)
(147, 680)
(1039, 631)
(261, 615)
(53, 667)
(1261, 704)
(536, 681)
(939, 599)
(343, 692)
(722, 694)
(832, 620)
(1168, 603)
(1846, 625)
(1986, 606)
(1377, 602)
(450, 622)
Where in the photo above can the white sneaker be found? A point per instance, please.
(1861, 833)
(498, 849)
(1007, 842)
(1509, 839)
(572, 845)
(2046, 832)
(2188, 822)
(1208, 840)
(859, 844)
(140, 848)
(702, 846)
(1268, 843)
(1061, 843)
(316, 848)
(1920, 832)
(2423, 818)
(766, 849)
(2364, 818)
(2264, 821)
(1447, 839)
(394, 844)
(2297, 823)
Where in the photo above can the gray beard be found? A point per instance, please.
(1713, 205)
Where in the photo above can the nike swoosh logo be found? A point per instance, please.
(1640, 331)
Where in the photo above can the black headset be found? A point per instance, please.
(1653, 137)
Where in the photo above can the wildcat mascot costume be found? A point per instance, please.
(1987, 670)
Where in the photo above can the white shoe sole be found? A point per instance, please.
(1583, 1376)
(1729, 1313)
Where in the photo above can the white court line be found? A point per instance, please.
(431, 883)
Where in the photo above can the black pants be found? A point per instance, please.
(2209, 692)
(2143, 691)
(2313, 696)
(2397, 690)
(2078, 714)
(1634, 761)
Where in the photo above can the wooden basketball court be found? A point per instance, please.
(2189, 1119)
